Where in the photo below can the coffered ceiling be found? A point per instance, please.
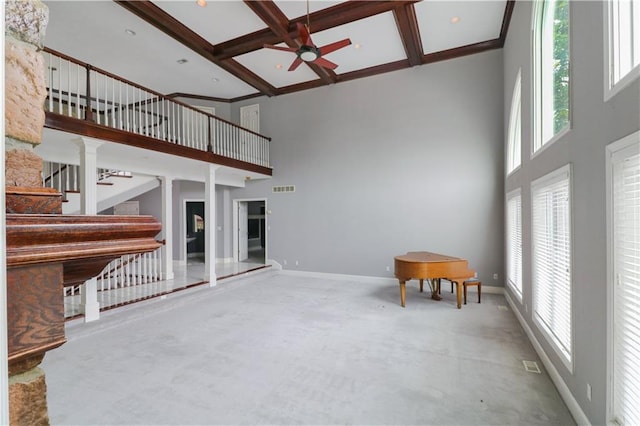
(216, 51)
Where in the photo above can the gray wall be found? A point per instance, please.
(595, 123)
(410, 160)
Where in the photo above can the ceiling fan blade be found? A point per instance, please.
(334, 46)
(325, 64)
(295, 64)
(284, 49)
(305, 37)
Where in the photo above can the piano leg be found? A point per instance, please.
(403, 292)
(434, 283)
(421, 285)
(459, 293)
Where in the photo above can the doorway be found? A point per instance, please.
(194, 216)
(250, 240)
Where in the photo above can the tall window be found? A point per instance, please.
(551, 229)
(551, 63)
(623, 41)
(624, 280)
(514, 140)
(514, 242)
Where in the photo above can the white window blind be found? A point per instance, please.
(626, 285)
(514, 242)
(551, 264)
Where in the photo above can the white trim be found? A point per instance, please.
(565, 393)
(234, 204)
(516, 101)
(183, 226)
(368, 279)
(552, 177)
(610, 88)
(611, 149)
(537, 136)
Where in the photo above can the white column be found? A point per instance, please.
(210, 225)
(167, 227)
(89, 206)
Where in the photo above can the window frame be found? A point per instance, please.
(514, 132)
(611, 87)
(538, 85)
(516, 193)
(619, 147)
(564, 172)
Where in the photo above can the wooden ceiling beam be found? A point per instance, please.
(278, 23)
(407, 23)
(506, 20)
(166, 23)
(321, 20)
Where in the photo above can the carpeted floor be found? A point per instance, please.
(282, 349)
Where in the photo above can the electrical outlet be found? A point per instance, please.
(296, 263)
(388, 268)
(495, 276)
(284, 261)
(526, 307)
(588, 391)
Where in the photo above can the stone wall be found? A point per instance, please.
(25, 92)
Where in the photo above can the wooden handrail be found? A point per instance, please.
(153, 92)
(57, 172)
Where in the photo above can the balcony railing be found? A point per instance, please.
(81, 91)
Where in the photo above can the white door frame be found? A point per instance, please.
(183, 227)
(236, 226)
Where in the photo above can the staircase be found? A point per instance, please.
(113, 186)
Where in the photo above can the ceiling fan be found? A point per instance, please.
(309, 52)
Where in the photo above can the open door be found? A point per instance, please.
(243, 231)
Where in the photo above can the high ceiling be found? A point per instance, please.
(222, 42)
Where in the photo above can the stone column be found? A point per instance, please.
(25, 92)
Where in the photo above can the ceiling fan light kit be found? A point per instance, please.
(309, 52)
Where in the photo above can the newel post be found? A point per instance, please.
(88, 112)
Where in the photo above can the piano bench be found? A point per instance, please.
(472, 282)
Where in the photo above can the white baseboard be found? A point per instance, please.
(556, 378)
(330, 276)
(369, 279)
(224, 260)
(274, 265)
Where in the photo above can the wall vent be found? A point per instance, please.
(531, 367)
(284, 188)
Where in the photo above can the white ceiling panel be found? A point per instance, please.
(265, 62)
(477, 21)
(377, 36)
(104, 44)
(217, 22)
(296, 8)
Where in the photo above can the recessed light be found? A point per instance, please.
(455, 20)
(130, 32)
(357, 46)
(215, 79)
(279, 66)
(182, 61)
(201, 3)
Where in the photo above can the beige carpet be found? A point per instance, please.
(281, 349)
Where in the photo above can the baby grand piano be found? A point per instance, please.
(423, 265)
